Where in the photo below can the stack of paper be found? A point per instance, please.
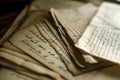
(43, 45)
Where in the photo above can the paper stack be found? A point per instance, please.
(42, 44)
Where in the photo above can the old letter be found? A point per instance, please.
(102, 36)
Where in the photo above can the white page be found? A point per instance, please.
(102, 36)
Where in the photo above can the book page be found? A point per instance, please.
(102, 36)
(31, 41)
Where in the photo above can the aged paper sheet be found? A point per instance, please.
(31, 41)
(71, 24)
(102, 36)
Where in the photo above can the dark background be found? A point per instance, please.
(9, 9)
